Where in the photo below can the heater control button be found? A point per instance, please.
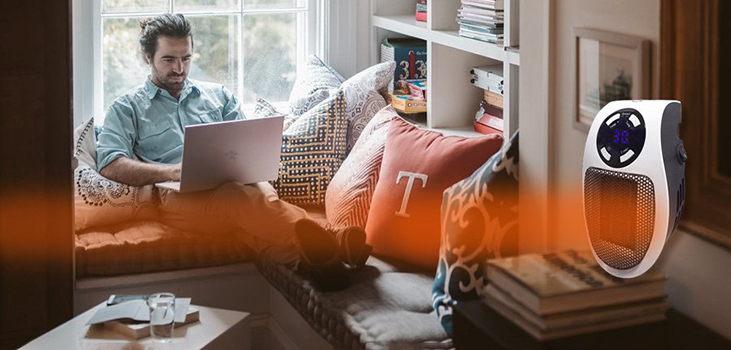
(634, 120)
(623, 158)
(682, 154)
(612, 119)
(606, 154)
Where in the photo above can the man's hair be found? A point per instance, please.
(168, 24)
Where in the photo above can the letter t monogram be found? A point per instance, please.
(409, 185)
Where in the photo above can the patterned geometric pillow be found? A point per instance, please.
(312, 150)
(349, 194)
(265, 109)
(363, 98)
(100, 201)
(479, 222)
(85, 145)
(312, 85)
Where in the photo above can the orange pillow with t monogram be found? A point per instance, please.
(418, 165)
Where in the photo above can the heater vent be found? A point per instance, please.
(620, 216)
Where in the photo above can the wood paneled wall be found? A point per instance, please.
(36, 191)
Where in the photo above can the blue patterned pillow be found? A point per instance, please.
(479, 222)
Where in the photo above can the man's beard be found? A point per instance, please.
(164, 80)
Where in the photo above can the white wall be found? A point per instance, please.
(699, 283)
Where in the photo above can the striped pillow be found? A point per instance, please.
(348, 197)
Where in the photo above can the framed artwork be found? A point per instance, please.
(607, 67)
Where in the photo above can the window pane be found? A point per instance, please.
(198, 5)
(272, 4)
(112, 6)
(123, 67)
(270, 56)
(215, 51)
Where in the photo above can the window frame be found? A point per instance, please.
(689, 73)
(88, 84)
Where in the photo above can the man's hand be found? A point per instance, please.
(175, 170)
(136, 173)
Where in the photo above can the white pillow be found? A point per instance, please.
(85, 143)
(312, 85)
(348, 197)
(99, 201)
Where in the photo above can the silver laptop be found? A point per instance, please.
(245, 151)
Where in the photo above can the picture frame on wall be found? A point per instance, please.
(608, 66)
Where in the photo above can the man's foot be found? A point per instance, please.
(320, 254)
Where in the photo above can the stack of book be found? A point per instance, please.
(421, 10)
(558, 295)
(482, 20)
(489, 118)
(410, 98)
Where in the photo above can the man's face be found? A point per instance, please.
(171, 63)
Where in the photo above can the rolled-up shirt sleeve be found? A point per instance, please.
(232, 109)
(117, 135)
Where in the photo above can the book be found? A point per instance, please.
(496, 298)
(463, 21)
(495, 5)
(410, 57)
(480, 37)
(568, 281)
(139, 330)
(481, 11)
(484, 129)
(416, 87)
(490, 115)
(575, 330)
(493, 98)
(497, 89)
(421, 16)
(408, 104)
(493, 72)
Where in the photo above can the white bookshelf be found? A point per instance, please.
(452, 100)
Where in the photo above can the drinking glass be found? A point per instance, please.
(162, 316)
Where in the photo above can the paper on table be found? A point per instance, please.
(136, 310)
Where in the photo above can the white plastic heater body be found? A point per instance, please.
(649, 162)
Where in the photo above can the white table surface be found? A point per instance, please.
(217, 329)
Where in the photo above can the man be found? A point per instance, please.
(141, 143)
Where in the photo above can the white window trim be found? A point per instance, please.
(87, 50)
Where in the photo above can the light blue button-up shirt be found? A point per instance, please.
(149, 123)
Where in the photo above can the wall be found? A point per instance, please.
(698, 284)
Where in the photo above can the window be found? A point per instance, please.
(253, 47)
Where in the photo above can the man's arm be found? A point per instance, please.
(136, 173)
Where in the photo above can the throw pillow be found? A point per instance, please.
(479, 222)
(418, 165)
(265, 109)
(348, 197)
(363, 97)
(312, 86)
(100, 201)
(312, 150)
(85, 143)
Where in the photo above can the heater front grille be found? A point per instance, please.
(620, 215)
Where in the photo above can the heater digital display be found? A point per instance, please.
(621, 137)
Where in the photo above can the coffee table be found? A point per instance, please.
(217, 329)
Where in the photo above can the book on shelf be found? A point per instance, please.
(490, 115)
(139, 330)
(568, 281)
(407, 104)
(421, 10)
(493, 72)
(492, 87)
(481, 11)
(486, 4)
(410, 57)
(493, 98)
(486, 130)
(488, 25)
